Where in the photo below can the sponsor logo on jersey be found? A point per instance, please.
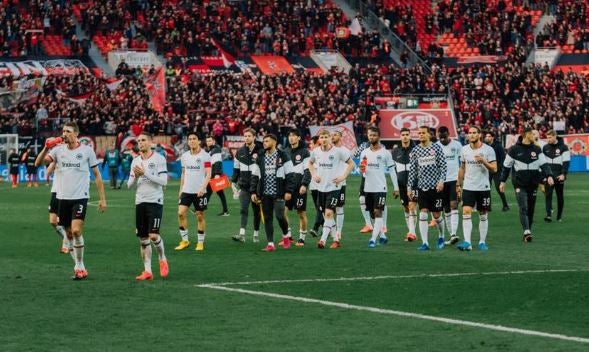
(64, 164)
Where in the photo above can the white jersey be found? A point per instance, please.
(147, 190)
(377, 162)
(74, 166)
(349, 152)
(476, 175)
(194, 170)
(452, 152)
(329, 165)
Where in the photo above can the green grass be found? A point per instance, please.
(42, 309)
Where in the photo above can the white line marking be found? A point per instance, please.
(402, 314)
(390, 277)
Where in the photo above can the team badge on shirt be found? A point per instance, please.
(79, 156)
(151, 166)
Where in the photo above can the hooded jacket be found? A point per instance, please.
(558, 157)
(528, 163)
(300, 159)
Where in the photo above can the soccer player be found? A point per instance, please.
(361, 196)
(500, 155)
(66, 246)
(327, 169)
(528, 163)
(299, 156)
(13, 161)
(427, 174)
(272, 186)
(477, 160)
(112, 158)
(126, 160)
(401, 157)
(217, 171)
(378, 160)
(196, 173)
(315, 194)
(452, 149)
(245, 158)
(336, 140)
(74, 160)
(149, 171)
(30, 159)
(558, 157)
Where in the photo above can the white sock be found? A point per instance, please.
(407, 217)
(201, 237)
(440, 224)
(423, 227)
(302, 234)
(376, 229)
(289, 233)
(256, 233)
(385, 217)
(454, 218)
(467, 227)
(184, 235)
(327, 225)
(159, 246)
(146, 254)
(271, 244)
(79, 252)
(242, 232)
(448, 222)
(483, 227)
(412, 221)
(365, 213)
(70, 247)
(60, 231)
(340, 220)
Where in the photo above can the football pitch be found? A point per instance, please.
(233, 297)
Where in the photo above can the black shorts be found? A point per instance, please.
(148, 218)
(31, 170)
(404, 197)
(297, 202)
(362, 182)
(341, 201)
(430, 200)
(188, 199)
(375, 200)
(481, 200)
(449, 193)
(53, 203)
(71, 209)
(327, 200)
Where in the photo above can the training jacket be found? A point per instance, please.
(558, 157)
(528, 163)
(242, 165)
(300, 160)
(284, 175)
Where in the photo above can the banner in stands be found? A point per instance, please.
(22, 91)
(412, 102)
(233, 143)
(271, 65)
(578, 143)
(347, 130)
(391, 122)
(42, 68)
(156, 88)
(132, 58)
(481, 59)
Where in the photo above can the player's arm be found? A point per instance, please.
(43, 157)
(566, 162)
(208, 170)
(443, 167)
(306, 177)
(545, 167)
(393, 174)
(100, 187)
(289, 177)
(507, 165)
(161, 178)
(489, 162)
(312, 170)
(235, 176)
(216, 164)
(412, 178)
(255, 179)
(50, 169)
(460, 179)
(182, 176)
(350, 165)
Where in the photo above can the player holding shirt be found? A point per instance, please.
(326, 165)
(196, 174)
(74, 160)
(376, 161)
(477, 161)
(149, 171)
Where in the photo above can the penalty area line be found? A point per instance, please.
(400, 313)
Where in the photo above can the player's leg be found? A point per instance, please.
(531, 195)
(54, 222)
(142, 232)
(257, 208)
(329, 202)
(154, 215)
(290, 205)
(496, 178)
(223, 198)
(377, 203)
(318, 213)
(244, 203)
(279, 211)
(267, 207)
(548, 190)
(201, 207)
(521, 195)
(559, 187)
(77, 210)
(303, 223)
(183, 207)
(468, 203)
(339, 211)
(484, 207)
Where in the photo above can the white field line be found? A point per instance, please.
(392, 277)
(401, 314)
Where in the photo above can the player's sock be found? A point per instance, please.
(483, 227)
(256, 233)
(467, 227)
(184, 234)
(365, 213)
(376, 229)
(423, 227)
(79, 252)
(385, 216)
(242, 231)
(158, 243)
(289, 233)
(448, 222)
(454, 218)
(60, 231)
(412, 220)
(440, 225)
(407, 217)
(201, 236)
(327, 225)
(70, 247)
(302, 234)
(339, 219)
(146, 254)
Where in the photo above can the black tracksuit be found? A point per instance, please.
(528, 163)
(217, 170)
(495, 177)
(558, 158)
(242, 172)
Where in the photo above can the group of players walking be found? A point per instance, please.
(429, 177)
